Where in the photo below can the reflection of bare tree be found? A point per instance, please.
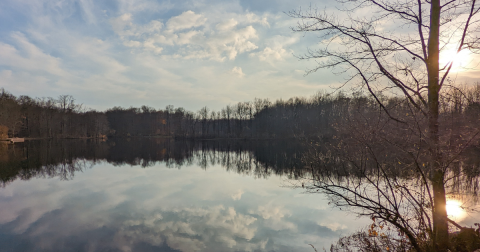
(395, 45)
(378, 167)
(65, 170)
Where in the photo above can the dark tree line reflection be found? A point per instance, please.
(64, 158)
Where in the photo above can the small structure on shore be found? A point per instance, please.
(16, 140)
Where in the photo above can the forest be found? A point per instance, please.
(316, 117)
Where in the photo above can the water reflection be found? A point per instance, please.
(64, 158)
(455, 209)
(162, 195)
(83, 196)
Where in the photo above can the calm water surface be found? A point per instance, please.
(159, 195)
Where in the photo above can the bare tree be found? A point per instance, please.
(203, 116)
(398, 48)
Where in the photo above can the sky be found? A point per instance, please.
(186, 53)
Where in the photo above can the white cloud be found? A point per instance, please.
(253, 18)
(334, 226)
(132, 43)
(275, 49)
(167, 38)
(186, 20)
(269, 54)
(150, 45)
(186, 37)
(139, 6)
(237, 71)
(227, 25)
(123, 25)
(227, 42)
(231, 43)
(152, 27)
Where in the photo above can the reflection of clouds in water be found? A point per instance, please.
(334, 226)
(274, 217)
(124, 208)
(237, 195)
(194, 229)
(268, 212)
(191, 229)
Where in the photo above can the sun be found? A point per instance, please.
(460, 60)
(455, 210)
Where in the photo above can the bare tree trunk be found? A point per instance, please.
(440, 226)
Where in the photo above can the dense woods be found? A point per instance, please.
(313, 117)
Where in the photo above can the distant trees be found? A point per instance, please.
(48, 117)
(312, 117)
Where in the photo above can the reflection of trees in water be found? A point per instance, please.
(463, 179)
(63, 170)
(41, 159)
(260, 159)
(46, 159)
(254, 158)
(382, 169)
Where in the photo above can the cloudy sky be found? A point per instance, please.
(188, 53)
(136, 52)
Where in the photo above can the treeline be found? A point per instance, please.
(48, 118)
(259, 119)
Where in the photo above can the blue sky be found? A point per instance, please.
(135, 52)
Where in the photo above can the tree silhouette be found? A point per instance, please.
(397, 47)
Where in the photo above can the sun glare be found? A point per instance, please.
(455, 210)
(461, 60)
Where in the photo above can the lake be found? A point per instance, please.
(163, 195)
